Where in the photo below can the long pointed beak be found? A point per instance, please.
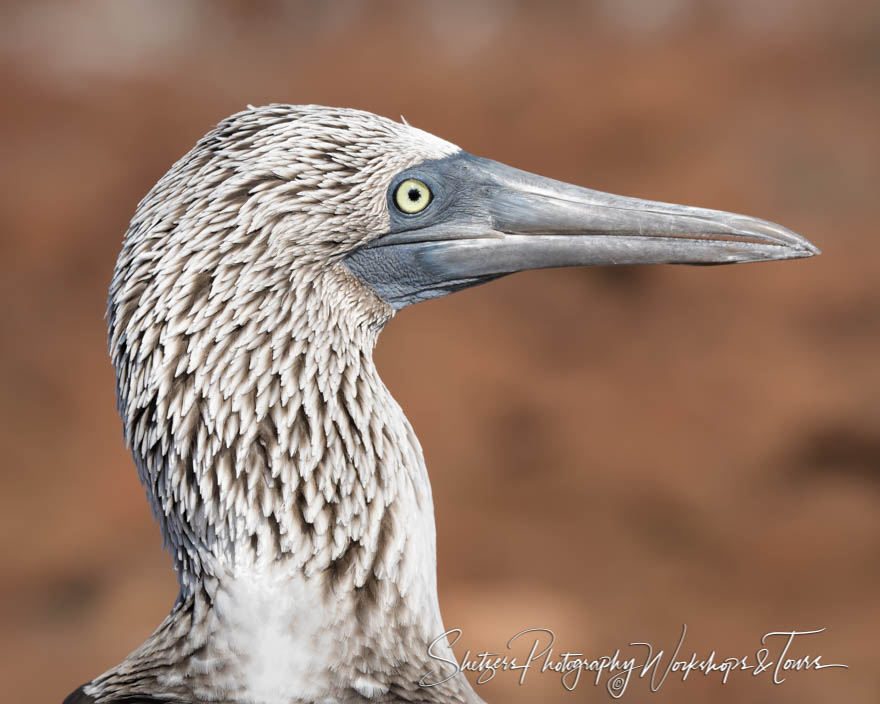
(506, 220)
(535, 230)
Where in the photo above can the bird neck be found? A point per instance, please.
(304, 465)
(294, 497)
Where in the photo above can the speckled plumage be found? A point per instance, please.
(292, 493)
(287, 482)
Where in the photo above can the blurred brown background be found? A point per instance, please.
(613, 452)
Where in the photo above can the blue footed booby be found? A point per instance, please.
(290, 489)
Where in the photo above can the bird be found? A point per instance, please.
(288, 485)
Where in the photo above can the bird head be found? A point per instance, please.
(263, 265)
(293, 199)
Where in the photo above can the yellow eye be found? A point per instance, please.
(412, 196)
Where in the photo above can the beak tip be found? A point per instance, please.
(796, 246)
(807, 249)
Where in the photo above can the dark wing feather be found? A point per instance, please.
(79, 697)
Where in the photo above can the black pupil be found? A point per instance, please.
(414, 194)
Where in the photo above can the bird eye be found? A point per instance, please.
(412, 196)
